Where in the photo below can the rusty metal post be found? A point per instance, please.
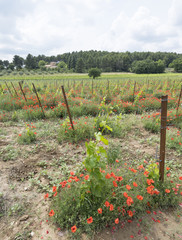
(22, 91)
(9, 89)
(180, 95)
(14, 89)
(40, 105)
(68, 110)
(164, 101)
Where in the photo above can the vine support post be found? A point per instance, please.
(40, 105)
(9, 89)
(68, 110)
(1, 89)
(14, 89)
(178, 101)
(22, 92)
(164, 101)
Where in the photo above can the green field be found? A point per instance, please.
(99, 175)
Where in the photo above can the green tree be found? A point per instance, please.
(177, 64)
(62, 67)
(80, 65)
(30, 62)
(1, 65)
(160, 66)
(94, 73)
(6, 63)
(18, 62)
(41, 65)
(11, 66)
(148, 66)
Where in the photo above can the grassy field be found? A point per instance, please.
(46, 165)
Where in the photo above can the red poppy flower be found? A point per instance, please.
(129, 201)
(150, 181)
(130, 213)
(99, 210)
(73, 229)
(46, 195)
(180, 178)
(107, 204)
(111, 207)
(167, 191)
(117, 220)
(119, 179)
(128, 187)
(89, 220)
(125, 194)
(55, 194)
(86, 177)
(51, 213)
(140, 197)
(54, 188)
(135, 184)
(115, 184)
(108, 176)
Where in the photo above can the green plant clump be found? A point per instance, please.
(28, 136)
(103, 195)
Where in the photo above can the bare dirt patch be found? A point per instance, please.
(24, 212)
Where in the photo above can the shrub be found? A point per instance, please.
(28, 136)
(104, 196)
(83, 129)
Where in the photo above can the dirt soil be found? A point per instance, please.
(23, 210)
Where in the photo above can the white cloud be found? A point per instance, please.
(51, 27)
(144, 32)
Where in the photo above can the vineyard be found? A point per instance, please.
(87, 165)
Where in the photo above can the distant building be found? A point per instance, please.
(51, 65)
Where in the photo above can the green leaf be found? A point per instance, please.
(104, 140)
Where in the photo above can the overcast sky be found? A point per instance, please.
(53, 27)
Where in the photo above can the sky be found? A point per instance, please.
(52, 27)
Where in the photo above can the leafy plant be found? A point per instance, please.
(28, 136)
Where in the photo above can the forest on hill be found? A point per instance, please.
(82, 61)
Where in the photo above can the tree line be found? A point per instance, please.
(82, 61)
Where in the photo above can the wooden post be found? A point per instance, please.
(68, 110)
(40, 105)
(2, 89)
(22, 91)
(14, 89)
(134, 92)
(179, 101)
(9, 89)
(164, 101)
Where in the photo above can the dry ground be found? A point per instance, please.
(27, 172)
